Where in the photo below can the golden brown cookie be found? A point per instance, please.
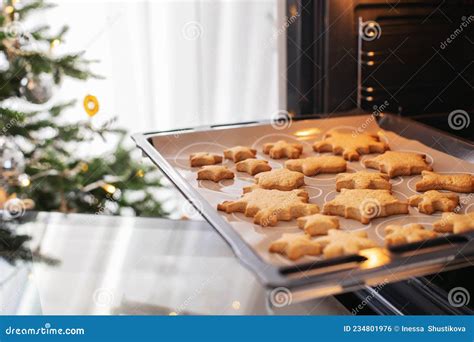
(214, 173)
(365, 204)
(295, 245)
(317, 224)
(363, 180)
(350, 145)
(312, 166)
(399, 163)
(455, 223)
(399, 235)
(283, 149)
(433, 200)
(238, 153)
(253, 166)
(339, 243)
(461, 182)
(267, 207)
(279, 179)
(204, 158)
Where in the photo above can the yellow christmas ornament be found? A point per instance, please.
(91, 105)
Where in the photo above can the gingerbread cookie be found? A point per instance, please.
(399, 163)
(351, 146)
(253, 166)
(462, 182)
(317, 224)
(339, 243)
(239, 153)
(204, 158)
(399, 235)
(283, 149)
(455, 223)
(267, 207)
(365, 204)
(280, 179)
(295, 245)
(312, 166)
(433, 200)
(363, 180)
(214, 173)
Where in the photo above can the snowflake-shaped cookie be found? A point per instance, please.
(267, 207)
(399, 163)
(283, 149)
(399, 235)
(365, 204)
(455, 223)
(350, 145)
(295, 245)
(363, 180)
(317, 224)
(433, 200)
(280, 179)
(312, 166)
(339, 242)
(253, 166)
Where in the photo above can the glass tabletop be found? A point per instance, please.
(130, 265)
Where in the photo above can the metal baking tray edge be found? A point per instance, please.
(308, 286)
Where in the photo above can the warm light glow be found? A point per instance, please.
(375, 257)
(140, 173)
(370, 89)
(55, 43)
(370, 63)
(9, 9)
(236, 305)
(370, 53)
(307, 132)
(172, 313)
(109, 188)
(84, 167)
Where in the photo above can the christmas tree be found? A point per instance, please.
(38, 158)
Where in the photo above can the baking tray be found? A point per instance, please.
(315, 276)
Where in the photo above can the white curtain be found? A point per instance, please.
(170, 64)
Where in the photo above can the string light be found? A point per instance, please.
(24, 180)
(109, 188)
(140, 173)
(54, 43)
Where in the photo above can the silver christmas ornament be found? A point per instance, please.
(37, 89)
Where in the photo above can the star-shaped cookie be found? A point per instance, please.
(399, 235)
(399, 163)
(204, 158)
(238, 153)
(253, 166)
(433, 200)
(455, 223)
(267, 207)
(214, 173)
(363, 180)
(339, 242)
(461, 182)
(312, 166)
(350, 145)
(317, 224)
(283, 149)
(365, 204)
(295, 245)
(279, 179)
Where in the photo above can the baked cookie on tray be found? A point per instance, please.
(350, 145)
(363, 180)
(214, 173)
(283, 149)
(455, 223)
(312, 166)
(365, 204)
(253, 166)
(279, 179)
(399, 235)
(239, 153)
(295, 246)
(204, 158)
(339, 242)
(462, 182)
(433, 200)
(396, 163)
(267, 207)
(317, 224)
